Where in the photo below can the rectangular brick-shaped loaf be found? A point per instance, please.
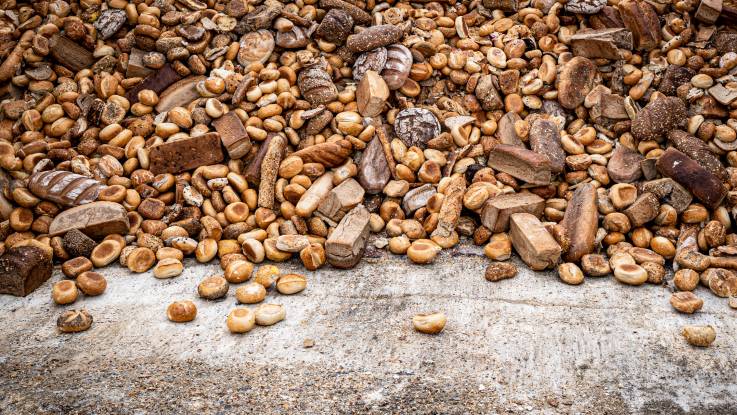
(497, 210)
(533, 242)
(70, 54)
(521, 163)
(186, 154)
(23, 269)
(345, 246)
(157, 81)
(581, 222)
(341, 199)
(602, 43)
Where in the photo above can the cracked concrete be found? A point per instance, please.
(530, 344)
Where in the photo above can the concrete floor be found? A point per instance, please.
(526, 345)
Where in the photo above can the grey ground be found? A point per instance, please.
(527, 345)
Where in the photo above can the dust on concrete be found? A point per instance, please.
(191, 386)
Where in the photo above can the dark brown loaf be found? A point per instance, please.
(335, 26)
(70, 54)
(77, 244)
(186, 154)
(699, 151)
(23, 269)
(674, 77)
(699, 181)
(641, 19)
(157, 82)
(358, 14)
(253, 166)
(64, 187)
(416, 126)
(608, 17)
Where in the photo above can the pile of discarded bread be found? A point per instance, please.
(592, 136)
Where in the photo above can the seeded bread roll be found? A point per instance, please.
(658, 118)
(336, 26)
(77, 244)
(358, 14)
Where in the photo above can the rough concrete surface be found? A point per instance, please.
(530, 344)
